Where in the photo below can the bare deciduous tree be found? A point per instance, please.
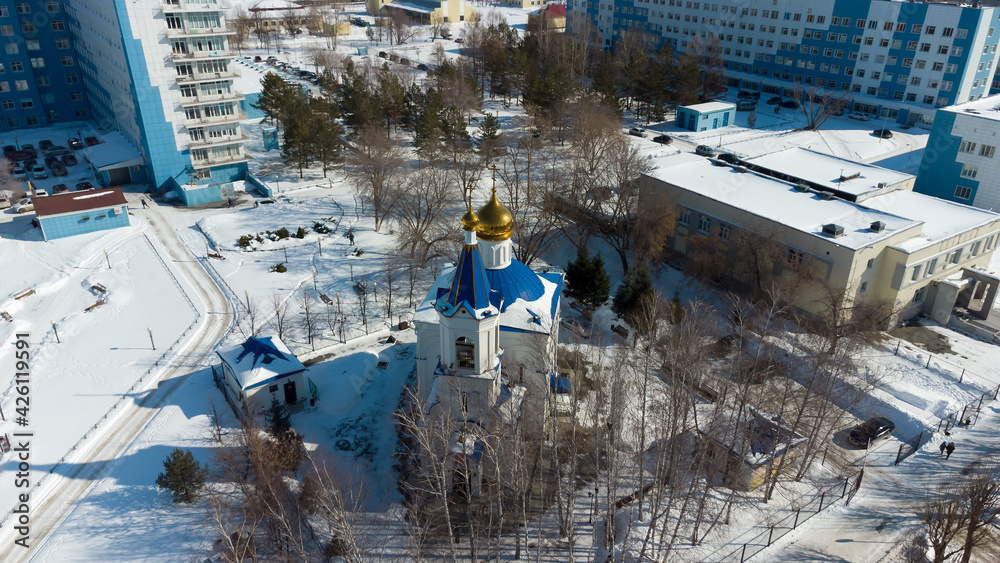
(374, 164)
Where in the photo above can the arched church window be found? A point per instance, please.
(465, 352)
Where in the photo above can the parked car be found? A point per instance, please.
(257, 59)
(29, 163)
(871, 430)
(91, 141)
(744, 94)
(74, 144)
(746, 104)
(58, 168)
(859, 116)
(637, 132)
(662, 139)
(774, 101)
(40, 192)
(22, 155)
(704, 150)
(575, 327)
(383, 54)
(60, 188)
(9, 150)
(23, 206)
(422, 66)
(405, 61)
(70, 160)
(728, 157)
(19, 172)
(46, 144)
(83, 186)
(4, 202)
(459, 40)
(884, 133)
(38, 172)
(50, 159)
(57, 151)
(27, 147)
(790, 104)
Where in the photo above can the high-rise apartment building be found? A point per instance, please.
(898, 60)
(160, 72)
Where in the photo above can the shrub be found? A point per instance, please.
(279, 268)
(244, 241)
(282, 233)
(359, 252)
(183, 476)
(301, 233)
(321, 227)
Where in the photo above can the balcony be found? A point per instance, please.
(170, 6)
(219, 141)
(205, 99)
(203, 55)
(231, 118)
(219, 160)
(199, 31)
(206, 76)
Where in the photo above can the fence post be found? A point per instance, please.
(961, 377)
(896, 353)
(929, 356)
(979, 408)
(846, 481)
(769, 534)
(961, 419)
(996, 392)
(824, 455)
(899, 454)
(743, 553)
(821, 497)
(796, 524)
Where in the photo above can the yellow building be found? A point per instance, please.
(551, 17)
(525, 4)
(426, 12)
(859, 228)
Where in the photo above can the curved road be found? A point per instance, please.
(60, 495)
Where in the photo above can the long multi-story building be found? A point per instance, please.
(40, 80)
(160, 72)
(897, 60)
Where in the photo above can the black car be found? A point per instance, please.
(60, 188)
(83, 186)
(9, 150)
(74, 144)
(383, 54)
(422, 66)
(91, 141)
(46, 144)
(884, 133)
(58, 168)
(728, 157)
(27, 147)
(774, 101)
(69, 160)
(871, 430)
(662, 139)
(744, 94)
(790, 104)
(50, 159)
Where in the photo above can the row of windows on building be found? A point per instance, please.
(33, 121)
(25, 8)
(29, 27)
(951, 259)
(36, 62)
(42, 80)
(29, 103)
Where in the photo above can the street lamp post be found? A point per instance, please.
(151, 343)
(375, 290)
(340, 315)
(56, 332)
(320, 243)
(107, 258)
(285, 248)
(314, 279)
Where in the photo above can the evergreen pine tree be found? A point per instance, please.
(273, 97)
(579, 274)
(601, 283)
(297, 143)
(183, 476)
(490, 144)
(278, 421)
(630, 293)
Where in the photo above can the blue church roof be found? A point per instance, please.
(516, 281)
(470, 284)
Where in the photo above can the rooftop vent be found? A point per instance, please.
(801, 188)
(826, 195)
(833, 230)
(851, 176)
(877, 227)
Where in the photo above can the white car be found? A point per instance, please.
(39, 192)
(24, 206)
(637, 132)
(4, 202)
(39, 172)
(19, 172)
(860, 116)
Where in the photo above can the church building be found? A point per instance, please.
(487, 330)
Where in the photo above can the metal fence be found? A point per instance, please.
(909, 447)
(940, 364)
(826, 497)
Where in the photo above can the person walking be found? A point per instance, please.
(350, 237)
(950, 448)
(943, 446)
(144, 204)
(230, 202)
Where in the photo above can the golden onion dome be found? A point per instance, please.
(495, 221)
(470, 221)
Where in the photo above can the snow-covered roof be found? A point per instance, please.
(778, 201)
(259, 361)
(470, 287)
(709, 107)
(522, 311)
(268, 5)
(827, 170)
(942, 219)
(75, 202)
(114, 151)
(414, 7)
(984, 108)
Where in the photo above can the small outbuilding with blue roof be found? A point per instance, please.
(262, 369)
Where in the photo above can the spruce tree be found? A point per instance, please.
(601, 283)
(630, 293)
(579, 272)
(278, 421)
(273, 98)
(183, 476)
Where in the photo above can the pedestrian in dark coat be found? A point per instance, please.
(144, 204)
(950, 448)
(943, 446)
(230, 202)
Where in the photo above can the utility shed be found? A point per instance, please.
(76, 213)
(709, 115)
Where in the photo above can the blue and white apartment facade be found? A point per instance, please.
(161, 72)
(892, 59)
(962, 162)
